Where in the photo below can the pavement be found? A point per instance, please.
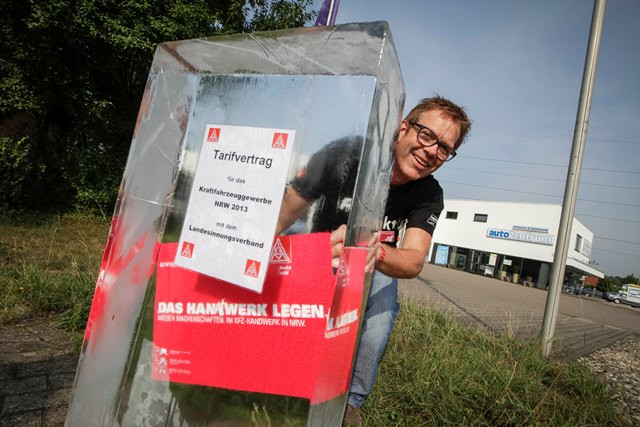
(38, 361)
(37, 368)
(584, 324)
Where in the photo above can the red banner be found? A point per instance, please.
(294, 339)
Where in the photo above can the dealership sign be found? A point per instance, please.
(538, 238)
(529, 228)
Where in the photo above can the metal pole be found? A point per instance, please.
(573, 178)
(328, 12)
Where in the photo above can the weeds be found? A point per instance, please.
(50, 265)
(439, 372)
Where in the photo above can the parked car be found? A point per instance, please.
(618, 298)
(614, 297)
(592, 292)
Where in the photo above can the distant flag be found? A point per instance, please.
(328, 12)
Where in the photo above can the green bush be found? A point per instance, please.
(15, 168)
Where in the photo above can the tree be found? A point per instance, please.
(609, 284)
(630, 278)
(72, 75)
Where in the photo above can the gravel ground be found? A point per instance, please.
(619, 365)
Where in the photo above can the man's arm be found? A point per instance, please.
(406, 262)
(293, 205)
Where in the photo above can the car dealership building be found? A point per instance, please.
(509, 240)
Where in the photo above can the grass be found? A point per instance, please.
(435, 371)
(49, 265)
(439, 372)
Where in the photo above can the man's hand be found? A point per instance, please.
(375, 247)
(375, 252)
(337, 244)
(337, 240)
(407, 261)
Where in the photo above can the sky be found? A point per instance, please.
(517, 67)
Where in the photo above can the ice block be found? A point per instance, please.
(173, 342)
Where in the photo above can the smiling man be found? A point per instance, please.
(427, 138)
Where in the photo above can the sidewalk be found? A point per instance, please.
(37, 368)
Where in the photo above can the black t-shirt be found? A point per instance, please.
(416, 203)
(330, 176)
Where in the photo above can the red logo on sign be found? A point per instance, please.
(187, 250)
(279, 140)
(252, 268)
(213, 134)
(160, 362)
(388, 236)
(342, 273)
(281, 251)
(342, 270)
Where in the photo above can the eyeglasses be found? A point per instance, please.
(427, 138)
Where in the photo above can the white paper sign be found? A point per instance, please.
(233, 209)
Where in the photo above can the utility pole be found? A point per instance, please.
(573, 178)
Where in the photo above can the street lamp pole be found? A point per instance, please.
(573, 178)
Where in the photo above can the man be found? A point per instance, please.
(427, 138)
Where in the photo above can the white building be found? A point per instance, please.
(509, 240)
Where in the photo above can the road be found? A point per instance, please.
(584, 324)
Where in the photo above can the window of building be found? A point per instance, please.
(578, 242)
(480, 217)
(452, 215)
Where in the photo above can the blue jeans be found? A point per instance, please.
(379, 316)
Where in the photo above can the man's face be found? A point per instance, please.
(412, 159)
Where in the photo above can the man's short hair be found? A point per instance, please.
(446, 107)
